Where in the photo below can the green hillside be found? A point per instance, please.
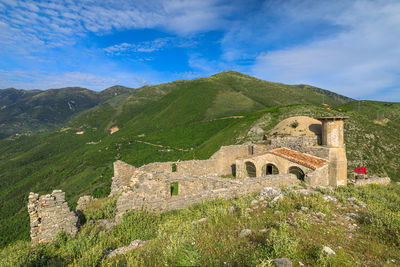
(27, 111)
(189, 119)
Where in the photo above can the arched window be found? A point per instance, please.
(269, 169)
(251, 169)
(298, 172)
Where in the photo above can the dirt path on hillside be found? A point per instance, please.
(158, 145)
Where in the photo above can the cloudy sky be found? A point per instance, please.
(349, 47)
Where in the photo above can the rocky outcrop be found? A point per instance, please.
(49, 215)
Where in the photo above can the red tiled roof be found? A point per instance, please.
(300, 158)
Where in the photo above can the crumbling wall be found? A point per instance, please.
(157, 167)
(227, 155)
(198, 167)
(123, 173)
(319, 177)
(223, 188)
(49, 215)
(83, 202)
(294, 142)
(363, 179)
(192, 185)
(318, 151)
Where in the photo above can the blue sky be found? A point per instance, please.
(349, 47)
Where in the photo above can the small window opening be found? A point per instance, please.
(174, 188)
(174, 167)
(270, 169)
(233, 167)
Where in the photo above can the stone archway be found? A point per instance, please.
(269, 169)
(298, 172)
(251, 169)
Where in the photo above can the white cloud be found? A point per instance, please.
(360, 61)
(149, 46)
(142, 47)
(22, 79)
(61, 22)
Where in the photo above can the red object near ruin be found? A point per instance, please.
(361, 170)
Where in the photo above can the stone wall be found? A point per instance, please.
(227, 155)
(220, 188)
(49, 215)
(198, 167)
(319, 177)
(318, 151)
(123, 173)
(294, 142)
(83, 202)
(220, 163)
(366, 180)
(192, 185)
(158, 167)
(260, 161)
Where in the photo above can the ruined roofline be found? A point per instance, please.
(293, 156)
(304, 159)
(333, 118)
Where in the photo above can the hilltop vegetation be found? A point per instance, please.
(27, 111)
(361, 226)
(173, 121)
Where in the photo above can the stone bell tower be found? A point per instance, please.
(333, 139)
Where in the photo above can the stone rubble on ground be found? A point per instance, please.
(328, 251)
(330, 198)
(134, 244)
(254, 202)
(282, 262)
(200, 220)
(270, 193)
(245, 232)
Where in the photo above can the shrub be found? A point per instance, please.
(101, 209)
(141, 224)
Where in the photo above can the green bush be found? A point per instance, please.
(101, 209)
(141, 224)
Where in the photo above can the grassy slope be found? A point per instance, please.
(32, 111)
(176, 115)
(362, 227)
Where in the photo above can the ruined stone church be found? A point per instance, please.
(316, 160)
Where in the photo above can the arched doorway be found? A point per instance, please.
(298, 172)
(269, 169)
(251, 169)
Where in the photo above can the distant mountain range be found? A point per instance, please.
(27, 111)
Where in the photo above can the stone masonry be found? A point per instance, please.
(192, 191)
(164, 186)
(49, 215)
